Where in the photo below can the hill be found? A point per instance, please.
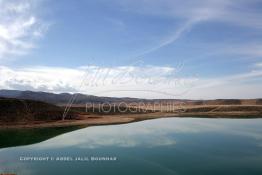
(17, 110)
(63, 98)
(82, 99)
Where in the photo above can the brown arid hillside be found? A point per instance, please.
(17, 110)
(41, 109)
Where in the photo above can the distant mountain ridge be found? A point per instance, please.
(80, 99)
(63, 98)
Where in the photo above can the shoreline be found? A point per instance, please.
(97, 120)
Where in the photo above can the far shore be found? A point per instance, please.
(94, 119)
(28, 109)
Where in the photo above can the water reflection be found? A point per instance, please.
(160, 132)
(163, 146)
(19, 137)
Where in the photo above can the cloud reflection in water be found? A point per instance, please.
(152, 133)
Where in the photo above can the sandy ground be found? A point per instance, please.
(64, 123)
(88, 120)
(91, 120)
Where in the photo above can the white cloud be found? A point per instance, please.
(19, 27)
(151, 133)
(258, 65)
(131, 81)
(115, 81)
(243, 85)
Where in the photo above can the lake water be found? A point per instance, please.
(155, 147)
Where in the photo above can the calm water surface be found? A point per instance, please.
(155, 147)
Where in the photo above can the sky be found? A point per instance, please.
(205, 49)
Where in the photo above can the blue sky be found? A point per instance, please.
(210, 48)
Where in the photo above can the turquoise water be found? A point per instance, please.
(157, 147)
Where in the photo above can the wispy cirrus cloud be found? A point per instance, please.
(247, 49)
(20, 26)
(191, 13)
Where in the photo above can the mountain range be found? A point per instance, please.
(81, 99)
